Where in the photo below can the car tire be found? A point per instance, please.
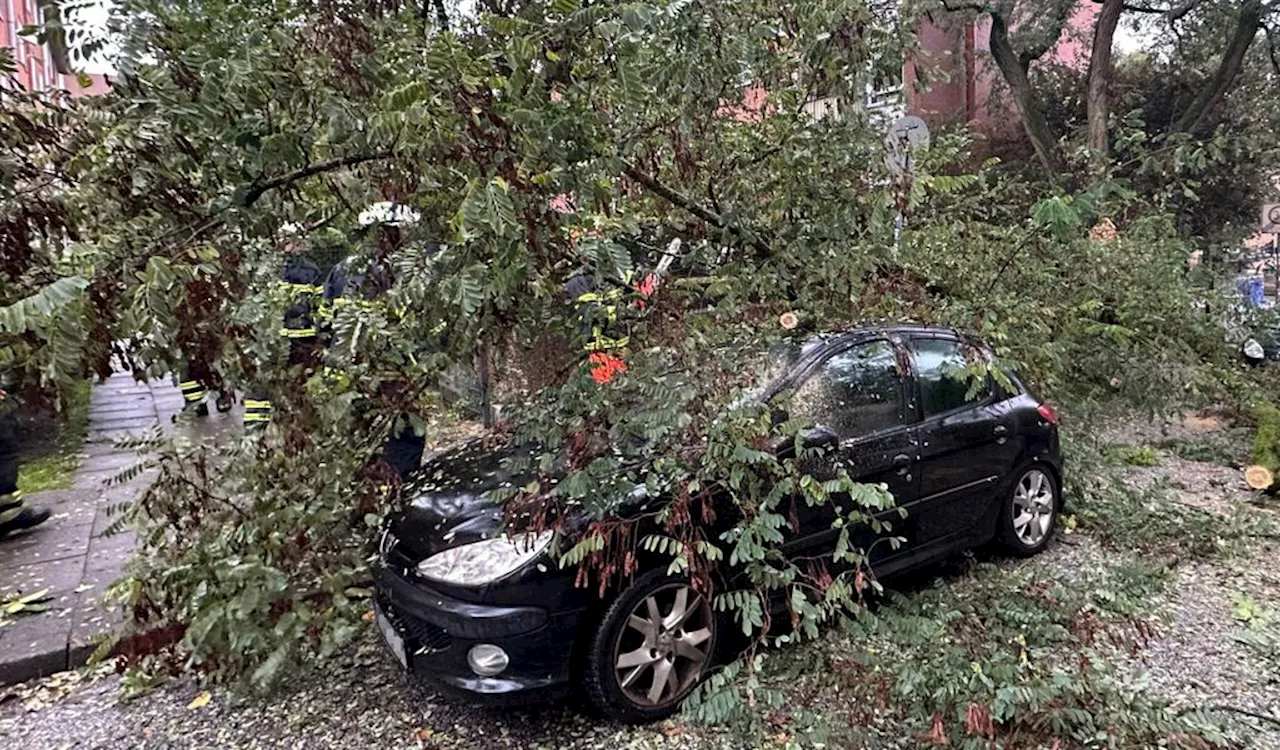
(1029, 512)
(644, 658)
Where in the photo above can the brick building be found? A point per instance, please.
(36, 70)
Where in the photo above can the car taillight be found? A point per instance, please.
(1047, 413)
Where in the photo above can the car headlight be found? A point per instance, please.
(1253, 350)
(484, 562)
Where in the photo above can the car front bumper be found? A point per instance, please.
(438, 631)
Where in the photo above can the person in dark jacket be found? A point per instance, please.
(367, 276)
(14, 514)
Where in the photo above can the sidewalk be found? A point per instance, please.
(69, 554)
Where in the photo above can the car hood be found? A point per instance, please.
(447, 504)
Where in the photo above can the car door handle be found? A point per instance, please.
(1001, 433)
(902, 462)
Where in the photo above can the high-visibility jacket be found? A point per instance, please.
(300, 283)
(598, 310)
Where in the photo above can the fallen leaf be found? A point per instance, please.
(368, 616)
(38, 596)
(83, 588)
(200, 701)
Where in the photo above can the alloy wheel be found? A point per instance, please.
(1033, 507)
(662, 650)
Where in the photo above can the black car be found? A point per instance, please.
(491, 617)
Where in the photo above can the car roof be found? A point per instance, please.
(889, 328)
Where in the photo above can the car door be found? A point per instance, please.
(967, 442)
(856, 398)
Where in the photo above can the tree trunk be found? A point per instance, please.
(1099, 76)
(1202, 114)
(1024, 97)
(484, 371)
(55, 35)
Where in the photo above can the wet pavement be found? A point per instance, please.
(73, 555)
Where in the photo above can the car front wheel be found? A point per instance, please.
(654, 644)
(1030, 511)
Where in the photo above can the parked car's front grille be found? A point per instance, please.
(426, 637)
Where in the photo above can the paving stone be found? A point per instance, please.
(103, 520)
(110, 552)
(114, 436)
(114, 403)
(49, 541)
(69, 508)
(59, 576)
(113, 460)
(91, 618)
(129, 421)
(35, 645)
(121, 403)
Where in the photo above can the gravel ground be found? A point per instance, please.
(365, 701)
(1196, 662)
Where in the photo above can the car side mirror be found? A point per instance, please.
(819, 437)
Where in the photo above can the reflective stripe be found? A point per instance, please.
(12, 499)
(8, 515)
(611, 295)
(302, 288)
(189, 384)
(250, 403)
(251, 417)
(298, 333)
(193, 396)
(601, 342)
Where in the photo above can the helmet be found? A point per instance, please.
(389, 213)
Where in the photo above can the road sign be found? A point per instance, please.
(906, 135)
(1271, 218)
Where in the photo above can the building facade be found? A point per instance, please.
(952, 80)
(36, 70)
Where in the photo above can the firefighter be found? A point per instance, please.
(366, 276)
(300, 283)
(14, 514)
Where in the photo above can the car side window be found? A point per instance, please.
(944, 386)
(853, 393)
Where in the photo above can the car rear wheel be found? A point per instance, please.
(1030, 511)
(654, 644)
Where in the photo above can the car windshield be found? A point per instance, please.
(772, 364)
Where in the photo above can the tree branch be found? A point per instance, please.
(1271, 50)
(1015, 75)
(712, 218)
(1177, 12)
(1232, 709)
(257, 189)
(55, 33)
(1172, 13)
(1200, 115)
(1049, 40)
